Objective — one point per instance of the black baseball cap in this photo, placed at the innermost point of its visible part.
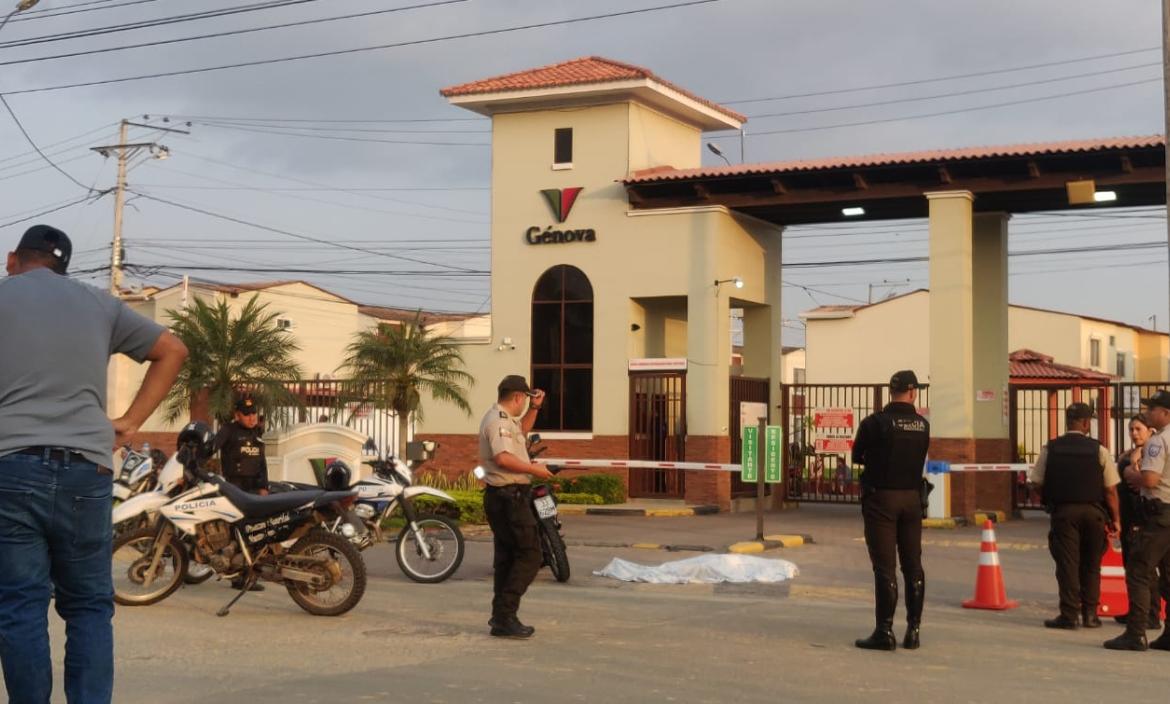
(44, 238)
(904, 380)
(246, 404)
(1161, 399)
(1079, 411)
(515, 383)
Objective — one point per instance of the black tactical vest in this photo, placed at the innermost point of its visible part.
(1072, 472)
(898, 461)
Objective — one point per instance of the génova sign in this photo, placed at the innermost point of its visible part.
(560, 201)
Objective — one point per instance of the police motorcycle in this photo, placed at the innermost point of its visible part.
(548, 522)
(140, 511)
(138, 473)
(429, 547)
(279, 538)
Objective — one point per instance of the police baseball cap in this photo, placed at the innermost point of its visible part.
(246, 404)
(1161, 399)
(904, 380)
(50, 240)
(515, 383)
(1079, 411)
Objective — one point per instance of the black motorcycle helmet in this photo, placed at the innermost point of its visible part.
(196, 442)
(337, 476)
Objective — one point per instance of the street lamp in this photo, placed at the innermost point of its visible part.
(20, 7)
(737, 282)
(717, 152)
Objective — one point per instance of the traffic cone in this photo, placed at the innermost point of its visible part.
(1114, 597)
(989, 590)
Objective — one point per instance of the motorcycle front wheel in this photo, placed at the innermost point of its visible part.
(555, 554)
(444, 542)
(133, 554)
(342, 594)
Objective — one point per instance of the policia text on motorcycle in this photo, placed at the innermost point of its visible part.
(1152, 541)
(1079, 482)
(892, 445)
(504, 457)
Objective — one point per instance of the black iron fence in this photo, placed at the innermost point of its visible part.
(658, 422)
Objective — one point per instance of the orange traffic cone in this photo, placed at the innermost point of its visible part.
(1114, 598)
(989, 589)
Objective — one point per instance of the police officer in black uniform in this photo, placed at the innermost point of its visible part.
(241, 456)
(1078, 479)
(892, 445)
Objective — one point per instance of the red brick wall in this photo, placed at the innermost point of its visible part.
(971, 491)
(708, 487)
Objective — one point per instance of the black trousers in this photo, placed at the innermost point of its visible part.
(517, 545)
(893, 533)
(1131, 523)
(1151, 550)
(1077, 541)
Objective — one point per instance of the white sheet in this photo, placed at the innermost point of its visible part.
(704, 569)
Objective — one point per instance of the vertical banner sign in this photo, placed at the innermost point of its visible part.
(772, 439)
(751, 438)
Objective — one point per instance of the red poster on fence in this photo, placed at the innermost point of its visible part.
(833, 418)
(833, 446)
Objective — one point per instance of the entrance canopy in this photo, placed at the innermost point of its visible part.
(1012, 179)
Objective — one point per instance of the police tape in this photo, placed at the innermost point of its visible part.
(641, 464)
(942, 467)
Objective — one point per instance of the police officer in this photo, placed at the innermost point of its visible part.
(1078, 480)
(503, 454)
(1152, 542)
(241, 457)
(892, 445)
(241, 448)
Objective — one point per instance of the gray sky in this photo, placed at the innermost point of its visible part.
(730, 50)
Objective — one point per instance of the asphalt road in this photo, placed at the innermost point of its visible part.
(604, 641)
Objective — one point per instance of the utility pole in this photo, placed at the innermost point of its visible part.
(126, 151)
(1166, 108)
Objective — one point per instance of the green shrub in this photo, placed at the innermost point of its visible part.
(468, 507)
(611, 489)
(592, 499)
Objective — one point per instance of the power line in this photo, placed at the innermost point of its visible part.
(340, 138)
(227, 33)
(364, 49)
(331, 128)
(28, 138)
(324, 120)
(1131, 246)
(70, 9)
(952, 77)
(301, 270)
(70, 204)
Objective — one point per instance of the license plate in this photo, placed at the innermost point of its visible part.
(546, 507)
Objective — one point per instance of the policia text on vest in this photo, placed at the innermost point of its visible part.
(892, 444)
(1078, 480)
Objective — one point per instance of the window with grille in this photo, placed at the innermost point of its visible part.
(563, 146)
(562, 349)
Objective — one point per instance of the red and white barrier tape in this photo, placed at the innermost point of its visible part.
(641, 464)
(990, 467)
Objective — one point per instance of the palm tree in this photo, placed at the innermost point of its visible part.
(226, 353)
(391, 366)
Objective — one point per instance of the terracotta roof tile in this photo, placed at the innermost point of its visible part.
(1027, 364)
(582, 71)
(903, 158)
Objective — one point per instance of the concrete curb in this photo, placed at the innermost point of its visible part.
(981, 517)
(943, 523)
(482, 538)
(770, 542)
(583, 510)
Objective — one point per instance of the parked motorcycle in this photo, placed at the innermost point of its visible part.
(279, 538)
(548, 522)
(138, 473)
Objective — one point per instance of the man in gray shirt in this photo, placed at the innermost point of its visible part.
(55, 455)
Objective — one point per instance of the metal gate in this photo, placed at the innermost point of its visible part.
(749, 390)
(658, 431)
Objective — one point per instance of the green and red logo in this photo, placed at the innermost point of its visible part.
(561, 201)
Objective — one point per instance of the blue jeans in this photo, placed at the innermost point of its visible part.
(55, 542)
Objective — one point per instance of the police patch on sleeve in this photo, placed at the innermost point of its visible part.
(1154, 450)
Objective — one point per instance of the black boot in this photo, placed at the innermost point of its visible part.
(886, 601)
(1089, 618)
(510, 627)
(1130, 640)
(1162, 642)
(915, 599)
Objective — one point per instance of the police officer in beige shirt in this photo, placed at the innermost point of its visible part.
(507, 501)
(1152, 542)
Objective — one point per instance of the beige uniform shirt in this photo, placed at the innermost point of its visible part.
(1154, 460)
(1108, 466)
(500, 432)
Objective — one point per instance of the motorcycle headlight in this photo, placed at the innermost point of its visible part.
(364, 511)
(347, 530)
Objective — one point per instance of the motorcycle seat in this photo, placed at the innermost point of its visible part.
(256, 506)
(331, 496)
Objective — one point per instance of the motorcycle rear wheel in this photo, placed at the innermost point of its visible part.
(341, 596)
(131, 558)
(555, 554)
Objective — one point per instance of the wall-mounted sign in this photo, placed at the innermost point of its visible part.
(666, 364)
(833, 418)
(560, 201)
(833, 446)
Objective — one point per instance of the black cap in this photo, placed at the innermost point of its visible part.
(246, 404)
(514, 383)
(1161, 399)
(904, 380)
(43, 238)
(1078, 411)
